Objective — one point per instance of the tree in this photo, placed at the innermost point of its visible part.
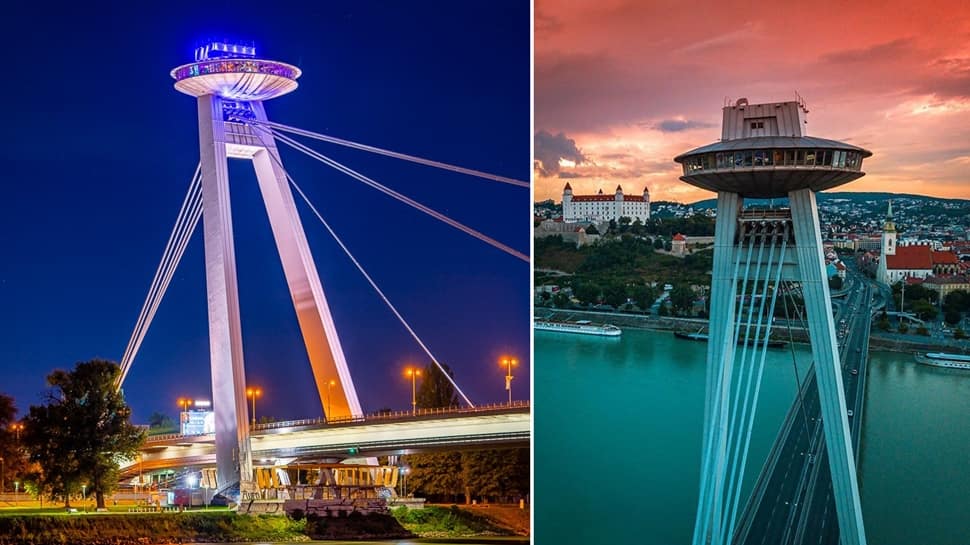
(958, 333)
(658, 243)
(81, 432)
(436, 391)
(903, 328)
(11, 452)
(592, 230)
(921, 330)
(951, 317)
(682, 298)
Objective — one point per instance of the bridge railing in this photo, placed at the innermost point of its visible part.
(393, 415)
(381, 416)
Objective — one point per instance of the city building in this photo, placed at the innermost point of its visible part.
(917, 261)
(601, 207)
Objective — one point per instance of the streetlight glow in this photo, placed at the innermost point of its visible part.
(508, 363)
(330, 384)
(253, 393)
(413, 373)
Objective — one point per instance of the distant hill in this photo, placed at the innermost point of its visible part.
(841, 195)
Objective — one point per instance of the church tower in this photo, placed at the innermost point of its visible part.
(888, 246)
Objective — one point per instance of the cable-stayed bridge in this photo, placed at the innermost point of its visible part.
(230, 84)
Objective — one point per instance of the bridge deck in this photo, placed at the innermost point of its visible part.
(792, 501)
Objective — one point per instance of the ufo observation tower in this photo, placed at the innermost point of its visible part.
(230, 84)
(764, 153)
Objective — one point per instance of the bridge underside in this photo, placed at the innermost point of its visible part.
(329, 443)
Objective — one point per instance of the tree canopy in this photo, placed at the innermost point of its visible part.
(82, 431)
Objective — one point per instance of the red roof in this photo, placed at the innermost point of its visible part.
(679, 236)
(592, 198)
(567, 187)
(606, 198)
(945, 258)
(910, 257)
(914, 280)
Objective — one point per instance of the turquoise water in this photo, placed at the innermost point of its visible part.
(618, 426)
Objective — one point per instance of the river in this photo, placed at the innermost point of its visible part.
(618, 426)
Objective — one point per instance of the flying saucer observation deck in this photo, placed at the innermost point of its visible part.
(236, 78)
(772, 166)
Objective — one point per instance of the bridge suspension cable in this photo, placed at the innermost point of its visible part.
(728, 436)
(392, 193)
(370, 280)
(185, 224)
(396, 155)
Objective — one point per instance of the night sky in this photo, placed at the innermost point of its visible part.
(98, 150)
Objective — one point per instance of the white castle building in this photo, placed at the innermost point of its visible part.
(602, 207)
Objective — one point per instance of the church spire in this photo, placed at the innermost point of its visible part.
(889, 226)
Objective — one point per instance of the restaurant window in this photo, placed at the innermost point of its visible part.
(799, 157)
(748, 158)
(789, 157)
(779, 156)
(810, 158)
(723, 161)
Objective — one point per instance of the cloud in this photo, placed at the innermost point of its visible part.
(886, 51)
(550, 149)
(677, 125)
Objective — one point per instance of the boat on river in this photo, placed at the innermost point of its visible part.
(942, 359)
(584, 327)
(751, 342)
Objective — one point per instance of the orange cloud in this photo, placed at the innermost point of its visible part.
(633, 84)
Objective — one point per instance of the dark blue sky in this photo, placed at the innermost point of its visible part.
(98, 149)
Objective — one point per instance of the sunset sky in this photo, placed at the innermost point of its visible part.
(622, 86)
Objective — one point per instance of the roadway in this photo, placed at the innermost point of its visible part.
(792, 500)
(498, 426)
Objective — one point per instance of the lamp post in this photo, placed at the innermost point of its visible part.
(413, 374)
(253, 393)
(17, 427)
(404, 482)
(330, 384)
(184, 405)
(508, 363)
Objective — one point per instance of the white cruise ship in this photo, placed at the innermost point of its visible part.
(584, 327)
(940, 359)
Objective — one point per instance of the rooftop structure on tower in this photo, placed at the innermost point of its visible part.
(234, 72)
(765, 153)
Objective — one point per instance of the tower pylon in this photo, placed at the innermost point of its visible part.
(763, 153)
(230, 84)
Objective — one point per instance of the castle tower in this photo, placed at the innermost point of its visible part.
(888, 246)
(618, 199)
(567, 202)
(764, 154)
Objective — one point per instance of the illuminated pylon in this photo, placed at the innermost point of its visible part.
(230, 85)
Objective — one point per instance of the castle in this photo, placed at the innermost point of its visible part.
(602, 207)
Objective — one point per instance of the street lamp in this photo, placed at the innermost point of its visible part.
(330, 385)
(404, 482)
(253, 393)
(508, 363)
(184, 405)
(413, 374)
(17, 428)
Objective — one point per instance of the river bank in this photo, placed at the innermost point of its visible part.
(907, 344)
(434, 522)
